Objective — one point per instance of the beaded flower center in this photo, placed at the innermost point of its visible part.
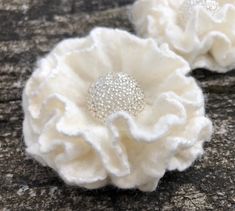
(188, 6)
(115, 92)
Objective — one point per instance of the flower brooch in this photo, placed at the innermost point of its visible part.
(112, 108)
(201, 31)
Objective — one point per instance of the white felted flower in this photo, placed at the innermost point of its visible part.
(202, 31)
(112, 108)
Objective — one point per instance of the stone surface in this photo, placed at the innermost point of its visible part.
(28, 30)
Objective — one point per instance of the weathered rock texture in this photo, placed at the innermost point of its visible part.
(28, 30)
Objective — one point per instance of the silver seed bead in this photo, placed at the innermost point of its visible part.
(115, 92)
(187, 8)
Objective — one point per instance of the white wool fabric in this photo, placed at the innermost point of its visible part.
(205, 40)
(125, 151)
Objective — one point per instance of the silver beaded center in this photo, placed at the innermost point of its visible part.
(115, 92)
(188, 7)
